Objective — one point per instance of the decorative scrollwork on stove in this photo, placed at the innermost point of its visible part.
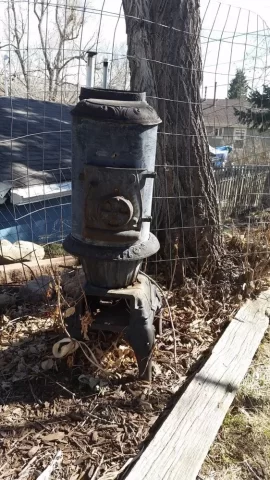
(140, 113)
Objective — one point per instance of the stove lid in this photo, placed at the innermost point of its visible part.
(116, 106)
(112, 94)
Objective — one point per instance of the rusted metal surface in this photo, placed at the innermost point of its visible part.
(115, 212)
(102, 94)
(113, 204)
(116, 106)
(138, 113)
(136, 251)
(114, 144)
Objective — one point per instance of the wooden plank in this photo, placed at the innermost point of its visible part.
(18, 272)
(180, 446)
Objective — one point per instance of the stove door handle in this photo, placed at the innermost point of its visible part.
(148, 174)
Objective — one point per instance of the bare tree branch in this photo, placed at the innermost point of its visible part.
(18, 36)
(59, 26)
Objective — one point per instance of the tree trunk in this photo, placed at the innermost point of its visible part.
(166, 63)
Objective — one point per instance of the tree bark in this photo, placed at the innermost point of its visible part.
(165, 61)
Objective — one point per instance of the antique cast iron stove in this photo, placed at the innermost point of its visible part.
(113, 163)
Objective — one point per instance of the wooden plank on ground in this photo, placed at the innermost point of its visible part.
(20, 272)
(180, 446)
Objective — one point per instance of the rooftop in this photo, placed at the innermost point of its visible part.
(220, 113)
(35, 140)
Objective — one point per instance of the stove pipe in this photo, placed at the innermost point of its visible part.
(113, 170)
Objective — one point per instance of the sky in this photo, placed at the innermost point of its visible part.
(242, 41)
(261, 7)
(234, 35)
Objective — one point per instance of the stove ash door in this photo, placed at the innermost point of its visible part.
(113, 211)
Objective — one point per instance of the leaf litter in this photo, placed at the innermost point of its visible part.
(97, 418)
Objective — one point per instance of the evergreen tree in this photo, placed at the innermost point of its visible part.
(238, 85)
(258, 115)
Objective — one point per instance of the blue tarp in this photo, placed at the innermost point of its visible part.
(220, 155)
(40, 222)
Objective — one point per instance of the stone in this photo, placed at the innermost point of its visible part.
(30, 251)
(20, 251)
(41, 288)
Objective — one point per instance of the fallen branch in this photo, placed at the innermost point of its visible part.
(55, 463)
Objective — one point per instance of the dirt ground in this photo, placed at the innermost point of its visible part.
(46, 410)
(242, 448)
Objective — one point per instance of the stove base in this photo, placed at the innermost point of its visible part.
(129, 310)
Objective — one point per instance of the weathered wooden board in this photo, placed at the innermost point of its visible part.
(18, 272)
(180, 446)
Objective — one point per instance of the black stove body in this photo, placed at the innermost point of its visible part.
(113, 170)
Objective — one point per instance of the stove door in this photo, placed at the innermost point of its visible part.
(112, 204)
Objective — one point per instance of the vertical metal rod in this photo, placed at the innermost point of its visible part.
(105, 72)
(90, 69)
(6, 59)
(215, 95)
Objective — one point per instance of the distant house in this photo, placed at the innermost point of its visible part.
(224, 128)
(35, 170)
(222, 124)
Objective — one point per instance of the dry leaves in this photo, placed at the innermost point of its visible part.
(47, 364)
(86, 322)
(53, 437)
(45, 403)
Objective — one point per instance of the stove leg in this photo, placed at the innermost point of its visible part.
(142, 339)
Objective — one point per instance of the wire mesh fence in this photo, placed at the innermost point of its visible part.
(44, 47)
(207, 76)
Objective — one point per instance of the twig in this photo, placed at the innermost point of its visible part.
(94, 361)
(66, 389)
(129, 463)
(82, 475)
(83, 292)
(170, 313)
(72, 439)
(14, 320)
(114, 475)
(55, 463)
(173, 370)
(95, 474)
(33, 394)
(26, 468)
(13, 448)
(70, 267)
(160, 323)
(176, 248)
(251, 470)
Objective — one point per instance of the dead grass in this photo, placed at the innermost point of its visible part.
(53, 250)
(242, 448)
